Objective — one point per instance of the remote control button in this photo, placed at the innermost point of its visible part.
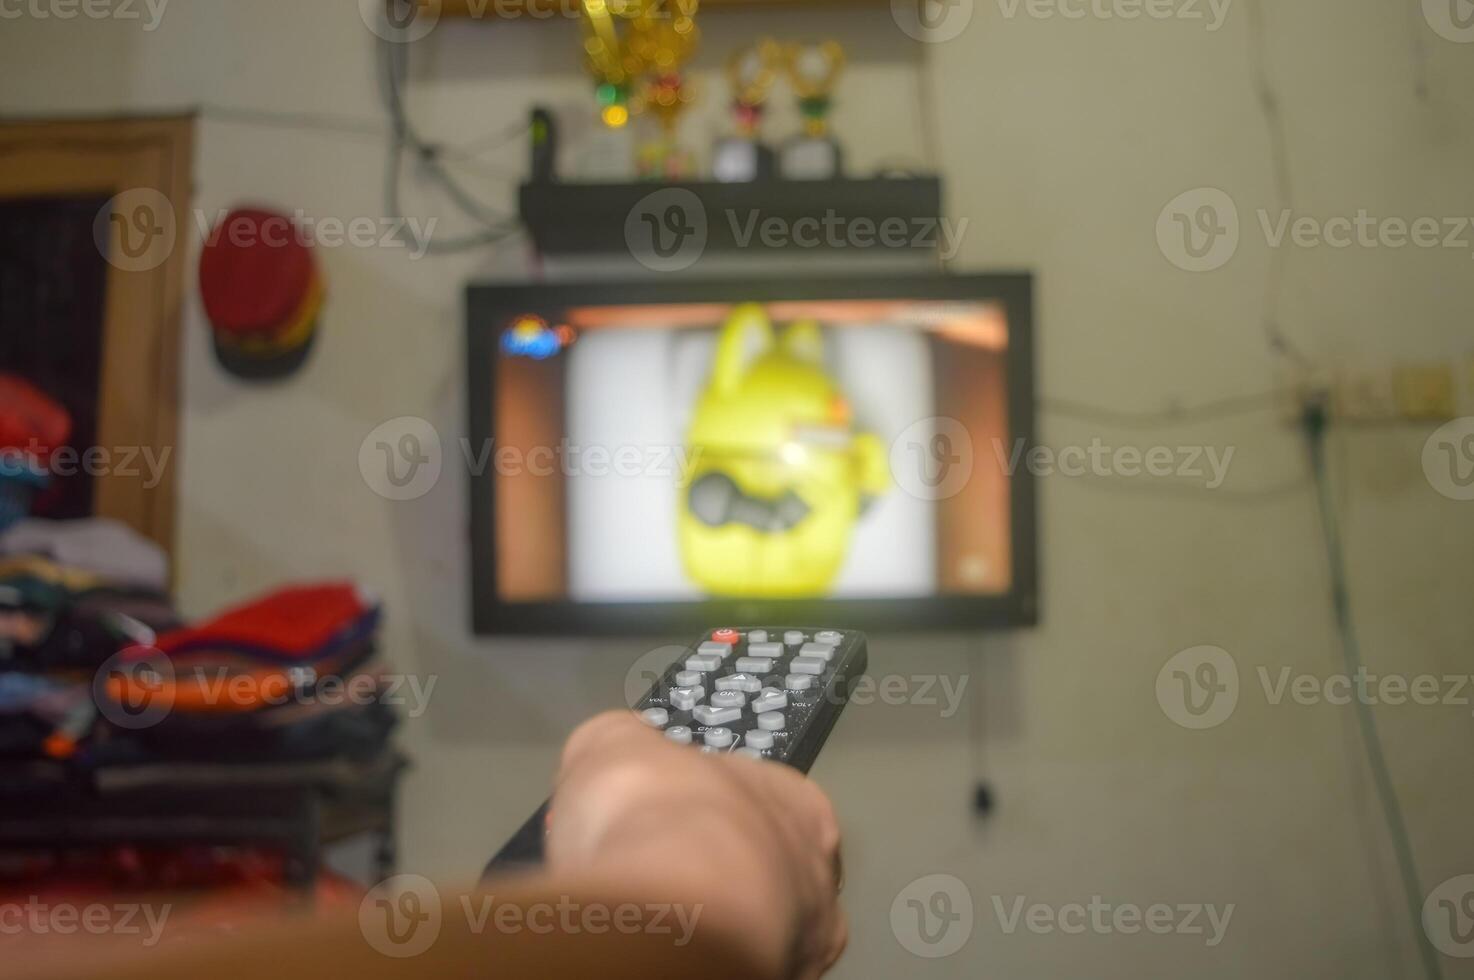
(808, 665)
(712, 750)
(703, 662)
(686, 698)
(679, 733)
(765, 649)
(655, 717)
(793, 637)
(726, 635)
(754, 665)
(713, 649)
(750, 753)
(746, 683)
(719, 738)
(759, 739)
(728, 699)
(821, 650)
(798, 682)
(705, 714)
(757, 636)
(832, 637)
(770, 721)
(688, 678)
(768, 701)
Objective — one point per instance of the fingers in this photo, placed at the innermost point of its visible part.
(613, 803)
(606, 733)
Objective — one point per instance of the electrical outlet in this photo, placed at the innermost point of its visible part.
(1425, 391)
(1295, 387)
(1421, 392)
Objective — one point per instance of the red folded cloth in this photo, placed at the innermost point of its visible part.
(30, 421)
(296, 621)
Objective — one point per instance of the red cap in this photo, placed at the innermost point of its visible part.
(255, 272)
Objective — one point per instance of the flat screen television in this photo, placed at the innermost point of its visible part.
(649, 456)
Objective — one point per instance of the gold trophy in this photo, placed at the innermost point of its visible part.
(812, 71)
(744, 157)
(610, 151)
(663, 37)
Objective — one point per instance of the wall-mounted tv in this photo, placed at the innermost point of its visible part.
(667, 455)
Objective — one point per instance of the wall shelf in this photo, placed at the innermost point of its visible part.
(590, 218)
(551, 9)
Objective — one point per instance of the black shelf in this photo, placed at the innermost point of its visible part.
(589, 218)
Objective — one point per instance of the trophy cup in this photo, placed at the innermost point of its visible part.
(666, 97)
(662, 37)
(610, 150)
(812, 70)
(743, 157)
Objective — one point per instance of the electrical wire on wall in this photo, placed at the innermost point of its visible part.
(403, 137)
(1172, 415)
(1422, 90)
(1284, 188)
(1209, 411)
(470, 153)
(1315, 424)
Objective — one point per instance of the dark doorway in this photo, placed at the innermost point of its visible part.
(53, 281)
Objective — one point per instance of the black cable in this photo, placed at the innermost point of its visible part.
(1175, 415)
(404, 135)
(400, 134)
(394, 64)
(1198, 491)
(1315, 422)
(316, 122)
(392, 170)
(1284, 186)
(337, 124)
(1416, 25)
(481, 145)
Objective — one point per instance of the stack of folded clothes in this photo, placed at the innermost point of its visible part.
(72, 594)
(292, 676)
(116, 713)
(86, 623)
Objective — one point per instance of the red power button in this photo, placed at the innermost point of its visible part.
(724, 635)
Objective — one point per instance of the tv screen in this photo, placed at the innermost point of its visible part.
(654, 455)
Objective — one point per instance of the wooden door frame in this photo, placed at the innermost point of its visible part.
(137, 162)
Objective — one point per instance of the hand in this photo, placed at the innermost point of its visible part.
(754, 843)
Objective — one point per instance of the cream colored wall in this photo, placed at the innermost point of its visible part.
(1061, 140)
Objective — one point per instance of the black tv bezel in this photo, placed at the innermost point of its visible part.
(488, 305)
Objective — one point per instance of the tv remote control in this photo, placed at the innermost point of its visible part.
(770, 693)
